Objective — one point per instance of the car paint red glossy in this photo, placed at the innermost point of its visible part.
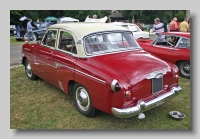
(173, 54)
(132, 69)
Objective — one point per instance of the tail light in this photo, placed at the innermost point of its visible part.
(115, 86)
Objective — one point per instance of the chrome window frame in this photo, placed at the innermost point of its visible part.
(53, 48)
(180, 40)
(66, 52)
(156, 40)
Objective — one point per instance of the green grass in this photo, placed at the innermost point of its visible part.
(40, 105)
(13, 41)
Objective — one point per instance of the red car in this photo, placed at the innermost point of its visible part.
(173, 47)
(91, 62)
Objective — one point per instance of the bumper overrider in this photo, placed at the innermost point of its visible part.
(142, 106)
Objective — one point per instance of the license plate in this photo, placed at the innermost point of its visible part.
(157, 85)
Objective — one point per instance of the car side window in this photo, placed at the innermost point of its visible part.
(67, 42)
(50, 38)
(133, 28)
(167, 40)
(184, 43)
(126, 26)
(161, 40)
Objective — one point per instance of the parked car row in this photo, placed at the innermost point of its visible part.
(104, 68)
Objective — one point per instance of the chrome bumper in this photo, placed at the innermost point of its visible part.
(18, 37)
(142, 106)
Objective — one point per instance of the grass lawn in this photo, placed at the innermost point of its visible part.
(13, 41)
(40, 105)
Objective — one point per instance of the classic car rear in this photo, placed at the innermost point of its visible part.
(102, 67)
(173, 47)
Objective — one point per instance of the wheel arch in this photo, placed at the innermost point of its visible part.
(23, 60)
(177, 62)
(71, 84)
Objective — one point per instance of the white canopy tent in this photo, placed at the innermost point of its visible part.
(23, 18)
(100, 20)
(67, 19)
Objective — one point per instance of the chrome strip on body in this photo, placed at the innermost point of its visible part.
(90, 76)
(58, 64)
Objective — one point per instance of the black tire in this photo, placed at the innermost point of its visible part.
(34, 37)
(19, 39)
(184, 68)
(82, 100)
(28, 71)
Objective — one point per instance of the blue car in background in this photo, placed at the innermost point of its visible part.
(38, 30)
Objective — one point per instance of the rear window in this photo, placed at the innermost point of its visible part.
(110, 42)
(184, 43)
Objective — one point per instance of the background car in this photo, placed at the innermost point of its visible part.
(12, 30)
(147, 26)
(38, 30)
(102, 67)
(137, 32)
(173, 47)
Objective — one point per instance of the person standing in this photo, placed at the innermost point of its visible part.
(95, 16)
(29, 30)
(158, 27)
(173, 26)
(184, 26)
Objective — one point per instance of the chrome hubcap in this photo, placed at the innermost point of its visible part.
(82, 98)
(185, 68)
(33, 38)
(28, 69)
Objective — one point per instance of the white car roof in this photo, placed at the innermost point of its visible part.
(80, 29)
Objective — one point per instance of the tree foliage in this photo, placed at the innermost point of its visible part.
(146, 16)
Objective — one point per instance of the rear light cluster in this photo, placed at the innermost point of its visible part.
(115, 86)
(128, 94)
(176, 76)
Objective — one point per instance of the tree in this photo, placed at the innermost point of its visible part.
(130, 14)
(180, 15)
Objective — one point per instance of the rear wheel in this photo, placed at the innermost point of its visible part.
(82, 100)
(29, 71)
(184, 68)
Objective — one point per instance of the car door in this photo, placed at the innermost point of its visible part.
(44, 55)
(162, 47)
(181, 51)
(65, 57)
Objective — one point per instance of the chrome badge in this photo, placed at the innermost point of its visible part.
(158, 76)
